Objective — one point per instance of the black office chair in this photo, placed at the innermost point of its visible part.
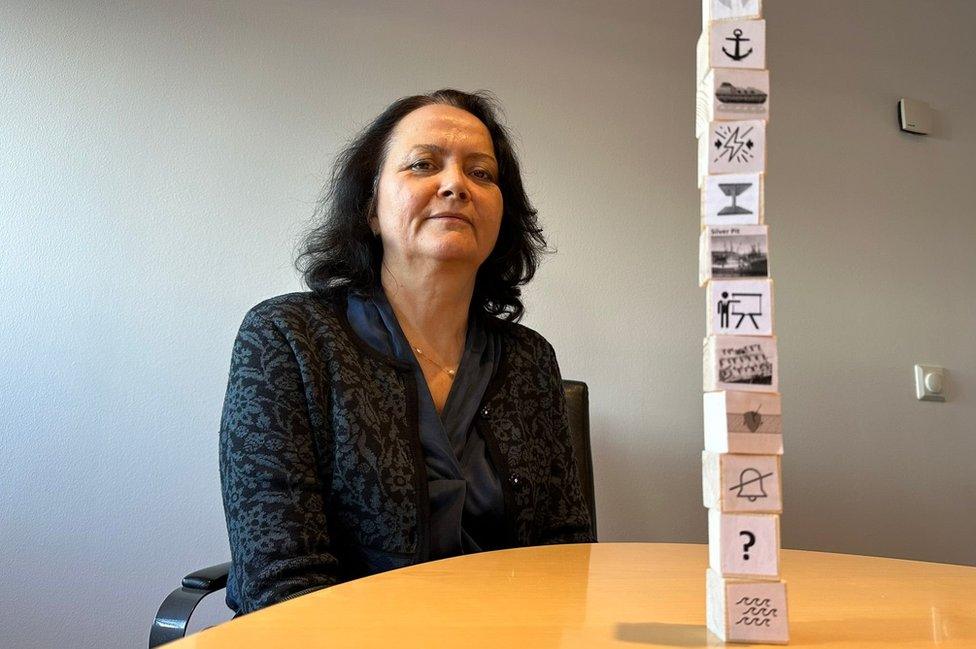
(174, 613)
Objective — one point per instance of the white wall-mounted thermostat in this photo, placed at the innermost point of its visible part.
(915, 116)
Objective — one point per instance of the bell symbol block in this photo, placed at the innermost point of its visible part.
(741, 483)
(751, 485)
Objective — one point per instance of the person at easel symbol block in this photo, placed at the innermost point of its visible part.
(724, 309)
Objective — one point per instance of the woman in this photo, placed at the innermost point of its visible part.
(397, 413)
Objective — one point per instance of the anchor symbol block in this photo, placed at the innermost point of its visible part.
(738, 39)
(731, 44)
(742, 483)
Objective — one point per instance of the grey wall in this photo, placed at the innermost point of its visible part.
(159, 161)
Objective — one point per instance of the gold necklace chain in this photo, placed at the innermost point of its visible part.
(449, 372)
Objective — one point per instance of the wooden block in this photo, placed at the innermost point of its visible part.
(732, 199)
(743, 545)
(737, 610)
(746, 363)
(731, 44)
(743, 423)
(740, 307)
(731, 95)
(733, 252)
(713, 10)
(732, 148)
(742, 483)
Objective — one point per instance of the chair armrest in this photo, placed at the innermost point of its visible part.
(209, 579)
(175, 611)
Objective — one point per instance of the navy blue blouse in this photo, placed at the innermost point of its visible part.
(466, 506)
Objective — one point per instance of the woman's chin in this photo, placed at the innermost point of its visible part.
(453, 256)
(454, 249)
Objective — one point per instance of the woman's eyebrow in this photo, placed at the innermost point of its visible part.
(434, 148)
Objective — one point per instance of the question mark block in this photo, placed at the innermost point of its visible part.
(743, 545)
(743, 422)
(742, 483)
(746, 611)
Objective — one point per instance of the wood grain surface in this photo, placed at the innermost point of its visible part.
(610, 595)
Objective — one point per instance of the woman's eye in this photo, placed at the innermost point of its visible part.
(483, 174)
(422, 165)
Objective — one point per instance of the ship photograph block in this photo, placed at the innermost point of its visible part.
(742, 484)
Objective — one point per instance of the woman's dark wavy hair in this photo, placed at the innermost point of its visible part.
(340, 253)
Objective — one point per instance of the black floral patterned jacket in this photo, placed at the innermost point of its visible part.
(322, 472)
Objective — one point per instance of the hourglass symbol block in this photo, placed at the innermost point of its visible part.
(733, 190)
(732, 199)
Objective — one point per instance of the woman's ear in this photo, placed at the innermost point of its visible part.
(372, 219)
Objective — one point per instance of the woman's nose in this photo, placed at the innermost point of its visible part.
(454, 185)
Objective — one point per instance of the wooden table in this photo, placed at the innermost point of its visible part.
(610, 595)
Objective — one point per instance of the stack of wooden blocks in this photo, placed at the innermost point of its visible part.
(746, 599)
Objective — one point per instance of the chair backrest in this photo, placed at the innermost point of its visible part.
(578, 410)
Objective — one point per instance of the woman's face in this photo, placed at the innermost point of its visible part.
(437, 198)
